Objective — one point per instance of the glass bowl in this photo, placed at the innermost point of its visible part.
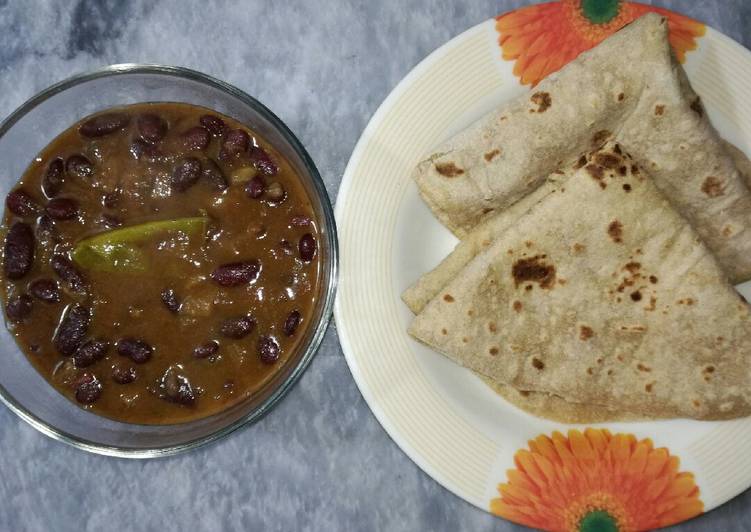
(29, 129)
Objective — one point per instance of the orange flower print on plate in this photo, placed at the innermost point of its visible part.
(542, 38)
(596, 482)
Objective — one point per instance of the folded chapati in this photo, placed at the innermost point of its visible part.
(629, 88)
(601, 295)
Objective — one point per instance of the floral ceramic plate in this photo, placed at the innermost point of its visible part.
(529, 470)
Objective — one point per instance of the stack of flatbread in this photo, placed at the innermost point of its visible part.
(602, 221)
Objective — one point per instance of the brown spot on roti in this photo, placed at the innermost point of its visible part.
(642, 367)
(713, 187)
(448, 169)
(659, 110)
(585, 333)
(626, 187)
(470, 312)
(653, 279)
(696, 403)
(608, 160)
(523, 393)
(444, 332)
(518, 306)
(615, 231)
(648, 387)
(599, 138)
(727, 231)
(538, 364)
(533, 269)
(636, 296)
(489, 156)
(590, 371)
(493, 351)
(578, 248)
(448, 298)
(621, 97)
(632, 267)
(492, 327)
(542, 100)
(581, 162)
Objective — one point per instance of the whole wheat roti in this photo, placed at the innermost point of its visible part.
(601, 295)
(629, 88)
(429, 284)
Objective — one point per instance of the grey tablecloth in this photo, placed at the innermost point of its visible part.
(320, 461)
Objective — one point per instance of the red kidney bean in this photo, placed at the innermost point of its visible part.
(68, 272)
(72, 329)
(45, 290)
(62, 208)
(79, 166)
(19, 307)
(275, 193)
(141, 149)
(237, 328)
(170, 300)
(206, 350)
(136, 349)
(196, 138)
(235, 143)
(186, 173)
(104, 124)
(88, 389)
(255, 187)
(236, 273)
(90, 352)
(21, 204)
(292, 322)
(300, 221)
(307, 247)
(19, 250)
(268, 349)
(176, 388)
(213, 124)
(52, 181)
(123, 374)
(263, 161)
(151, 128)
(214, 175)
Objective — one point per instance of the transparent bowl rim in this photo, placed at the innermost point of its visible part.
(330, 269)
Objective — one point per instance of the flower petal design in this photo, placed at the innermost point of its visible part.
(594, 480)
(542, 38)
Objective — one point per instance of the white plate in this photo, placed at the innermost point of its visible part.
(446, 420)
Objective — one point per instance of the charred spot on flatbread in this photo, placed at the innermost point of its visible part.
(489, 156)
(448, 169)
(534, 270)
(542, 100)
(598, 174)
(615, 231)
(585, 333)
(599, 138)
(713, 187)
(608, 160)
(659, 110)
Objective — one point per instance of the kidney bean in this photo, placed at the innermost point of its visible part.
(104, 124)
(72, 329)
(275, 193)
(136, 349)
(68, 272)
(214, 175)
(90, 352)
(237, 328)
(151, 128)
(21, 204)
(236, 273)
(88, 389)
(268, 349)
(176, 388)
(300, 220)
(170, 300)
(307, 247)
(255, 187)
(123, 374)
(52, 181)
(19, 307)
(206, 350)
(141, 149)
(79, 166)
(196, 138)
(236, 142)
(19, 250)
(263, 162)
(292, 322)
(186, 173)
(213, 124)
(62, 208)
(45, 290)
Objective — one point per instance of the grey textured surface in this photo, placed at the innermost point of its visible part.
(320, 461)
